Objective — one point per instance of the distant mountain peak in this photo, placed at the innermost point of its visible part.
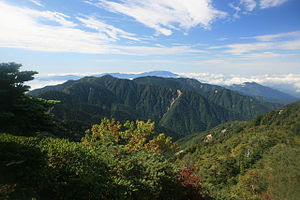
(160, 73)
(260, 91)
(251, 83)
(60, 78)
(108, 76)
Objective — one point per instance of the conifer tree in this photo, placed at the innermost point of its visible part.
(20, 113)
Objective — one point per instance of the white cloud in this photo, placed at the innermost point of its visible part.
(28, 29)
(248, 4)
(37, 2)
(285, 80)
(35, 84)
(242, 48)
(272, 37)
(237, 9)
(21, 28)
(155, 50)
(264, 55)
(271, 3)
(265, 43)
(222, 39)
(165, 15)
(110, 31)
(60, 18)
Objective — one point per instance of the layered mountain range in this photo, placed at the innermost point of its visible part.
(160, 73)
(179, 106)
(260, 91)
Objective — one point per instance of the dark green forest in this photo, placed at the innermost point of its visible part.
(106, 138)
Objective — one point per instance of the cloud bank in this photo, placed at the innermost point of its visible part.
(288, 83)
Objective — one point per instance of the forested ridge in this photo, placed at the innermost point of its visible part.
(40, 158)
(201, 106)
(255, 159)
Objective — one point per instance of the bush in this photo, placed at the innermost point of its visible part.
(47, 168)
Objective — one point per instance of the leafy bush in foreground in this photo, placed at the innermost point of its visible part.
(97, 168)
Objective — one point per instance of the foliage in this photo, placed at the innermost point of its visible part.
(257, 159)
(19, 113)
(191, 183)
(276, 176)
(134, 136)
(107, 164)
(51, 169)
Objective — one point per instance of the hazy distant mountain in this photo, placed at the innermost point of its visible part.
(287, 88)
(260, 91)
(179, 106)
(45, 81)
(166, 74)
(58, 78)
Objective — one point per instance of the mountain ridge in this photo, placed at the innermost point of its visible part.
(261, 91)
(199, 107)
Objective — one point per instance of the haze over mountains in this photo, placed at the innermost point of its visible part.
(260, 91)
(117, 75)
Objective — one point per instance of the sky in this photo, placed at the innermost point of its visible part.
(207, 38)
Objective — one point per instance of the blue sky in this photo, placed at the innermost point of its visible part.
(242, 37)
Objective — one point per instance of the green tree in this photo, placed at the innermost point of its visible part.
(134, 136)
(21, 114)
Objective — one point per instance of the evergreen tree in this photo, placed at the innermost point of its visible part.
(21, 114)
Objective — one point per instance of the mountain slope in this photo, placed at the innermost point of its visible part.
(178, 106)
(249, 160)
(257, 90)
(218, 95)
